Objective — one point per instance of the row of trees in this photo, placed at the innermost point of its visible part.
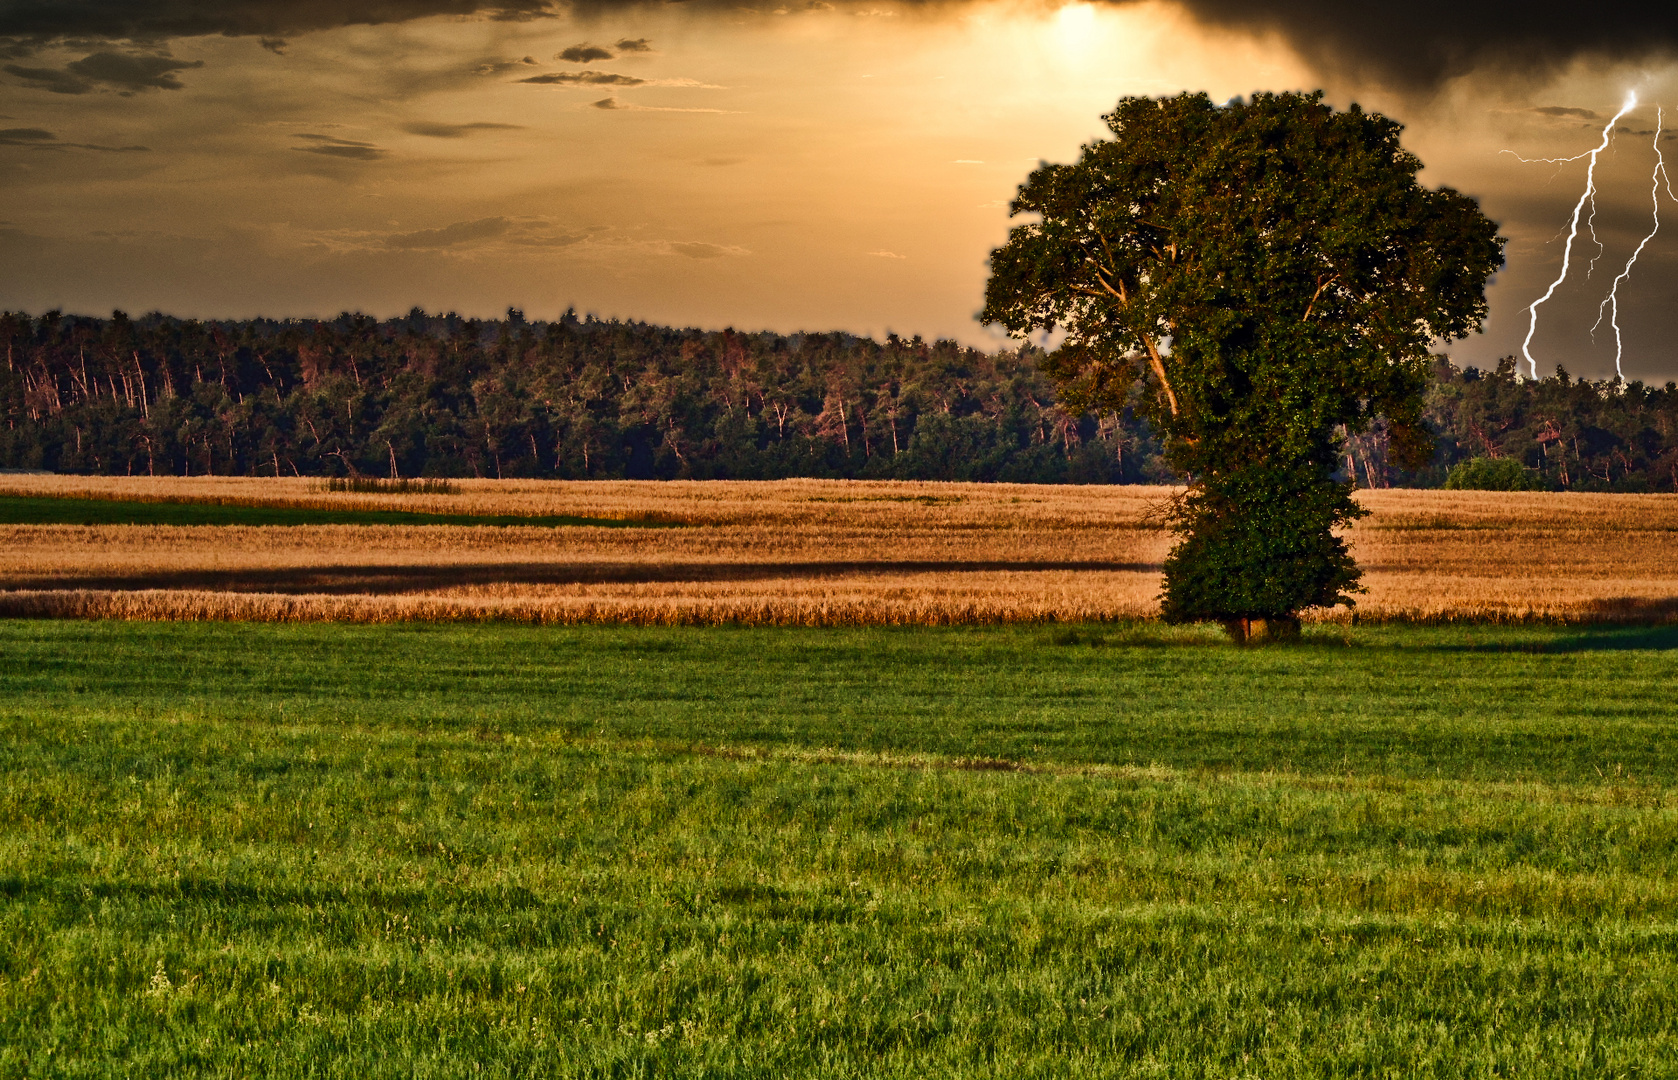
(445, 396)
(1567, 434)
(575, 398)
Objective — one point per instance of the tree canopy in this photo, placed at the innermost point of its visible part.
(1274, 274)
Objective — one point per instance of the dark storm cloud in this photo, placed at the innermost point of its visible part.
(582, 54)
(1419, 43)
(454, 131)
(1414, 43)
(583, 78)
(275, 45)
(607, 103)
(1563, 110)
(639, 44)
(349, 149)
(461, 232)
(157, 19)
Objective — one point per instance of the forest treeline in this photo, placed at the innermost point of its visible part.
(575, 398)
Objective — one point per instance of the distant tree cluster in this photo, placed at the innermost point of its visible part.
(581, 398)
(1561, 433)
(443, 396)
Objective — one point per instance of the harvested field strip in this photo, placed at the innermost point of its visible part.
(682, 609)
(388, 578)
(26, 510)
(815, 553)
(690, 605)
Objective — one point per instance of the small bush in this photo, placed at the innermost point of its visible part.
(1492, 474)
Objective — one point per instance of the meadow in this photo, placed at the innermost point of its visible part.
(776, 553)
(822, 779)
(595, 851)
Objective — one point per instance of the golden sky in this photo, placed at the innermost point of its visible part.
(804, 168)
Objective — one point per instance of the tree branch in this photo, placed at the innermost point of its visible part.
(1319, 292)
(1158, 365)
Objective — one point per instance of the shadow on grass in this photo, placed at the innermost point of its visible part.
(1615, 639)
(1481, 639)
(1555, 640)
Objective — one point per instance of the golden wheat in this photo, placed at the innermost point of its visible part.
(804, 552)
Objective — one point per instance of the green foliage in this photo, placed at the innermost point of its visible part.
(339, 851)
(1572, 434)
(437, 396)
(1271, 271)
(1259, 543)
(1491, 474)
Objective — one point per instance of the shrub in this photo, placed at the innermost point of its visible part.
(1491, 474)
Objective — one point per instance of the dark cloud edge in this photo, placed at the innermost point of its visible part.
(1416, 45)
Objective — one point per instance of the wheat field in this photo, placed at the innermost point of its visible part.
(802, 552)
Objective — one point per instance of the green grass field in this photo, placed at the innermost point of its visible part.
(31, 510)
(322, 850)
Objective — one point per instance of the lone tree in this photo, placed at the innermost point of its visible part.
(1267, 276)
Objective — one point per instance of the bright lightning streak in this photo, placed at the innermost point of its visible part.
(1589, 195)
(1612, 303)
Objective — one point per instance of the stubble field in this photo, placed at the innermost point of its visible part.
(798, 553)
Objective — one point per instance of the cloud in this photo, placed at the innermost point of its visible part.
(547, 240)
(614, 105)
(1561, 110)
(584, 78)
(582, 54)
(49, 79)
(331, 146)
(635, 45)
(25, 136)
(435, 130)
(702, 251)
(461, 232)
(162, 19)
(1404, 43)
(132, 73)
(42, 139)
(887, 255)
(496, 67)
(274, 45)
(129, 73)
(1418, 44)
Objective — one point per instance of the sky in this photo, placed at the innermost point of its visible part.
(815, 166)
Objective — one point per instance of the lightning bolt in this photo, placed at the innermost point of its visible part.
(1611, 304)
(1588, 196)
